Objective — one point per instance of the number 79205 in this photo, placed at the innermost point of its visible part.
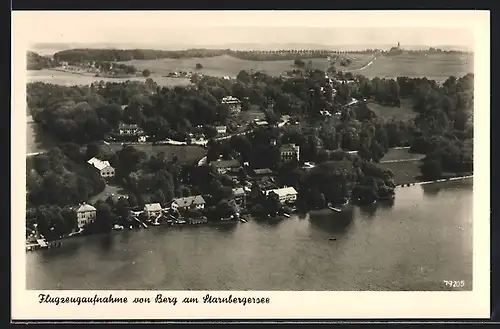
(454, 284)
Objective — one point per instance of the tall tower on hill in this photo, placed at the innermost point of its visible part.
(398, 45)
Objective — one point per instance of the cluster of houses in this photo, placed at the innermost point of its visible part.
(86, 213)
(90, 67)
(233, 103)
(261, 182)
(130, 132)
(183, 74)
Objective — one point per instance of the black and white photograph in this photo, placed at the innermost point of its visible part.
(200, 151)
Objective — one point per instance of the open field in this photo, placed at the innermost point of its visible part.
(436, 66)
(404, 172)
(230, 66)
(108, 191)
(71, 79)
(405, 112)
(401, 154)
(185, 153)
(253, 113)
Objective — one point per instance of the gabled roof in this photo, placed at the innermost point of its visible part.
(220, 127)
(230, 99)
(128, 126)
(190, 200)
(239, 191)
(282, 191)
(99, 164)
(152, 207)
(225, 163)
(264, 171)
(85, 207)
(289, 148)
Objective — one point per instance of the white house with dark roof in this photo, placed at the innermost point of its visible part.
(85, 214)
(105, 169)
(153, 210)
(221, 129)
(285, 194)
(190, 202)
(233, 103)
(129, 129)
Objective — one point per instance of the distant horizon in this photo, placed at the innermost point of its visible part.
(245, 30)
(49, 48)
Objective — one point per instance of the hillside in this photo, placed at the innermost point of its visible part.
(37, 62)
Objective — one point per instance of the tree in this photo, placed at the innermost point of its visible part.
(431, 169)
(299, 63)
(122, 207)
(272, 204)
(159, 197)
(93, 150)
(243, 76)
(70, 219)
(146, 73)
(210, 132)
(132, 200)
(72, 151)
(104, 218)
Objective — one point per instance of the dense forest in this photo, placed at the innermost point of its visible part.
(83, 116)
(61, 177)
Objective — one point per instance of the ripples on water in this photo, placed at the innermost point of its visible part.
(424, 237)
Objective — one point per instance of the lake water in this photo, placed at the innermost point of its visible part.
(425, 237)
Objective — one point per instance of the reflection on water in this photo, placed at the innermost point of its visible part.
(370, 210)
(410, 244)
(106, 242)
(330, 221)
(431, 189)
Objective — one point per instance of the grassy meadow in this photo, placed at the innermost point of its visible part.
(230, 66)
(434, 66)
(185, 153)
(404, 172)
(395, 154)
(405, 112)
(72, 79)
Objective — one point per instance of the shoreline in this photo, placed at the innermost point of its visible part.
(59, 241)
(441, 180)
(88, 74)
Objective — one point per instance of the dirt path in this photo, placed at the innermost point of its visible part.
(363, 67)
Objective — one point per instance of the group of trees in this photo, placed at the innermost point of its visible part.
(52, 222)
(445, 130)
(116, 55)
(85, 114)
(38, 62)
(61, 177)
(117, 69)
(81, 113)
